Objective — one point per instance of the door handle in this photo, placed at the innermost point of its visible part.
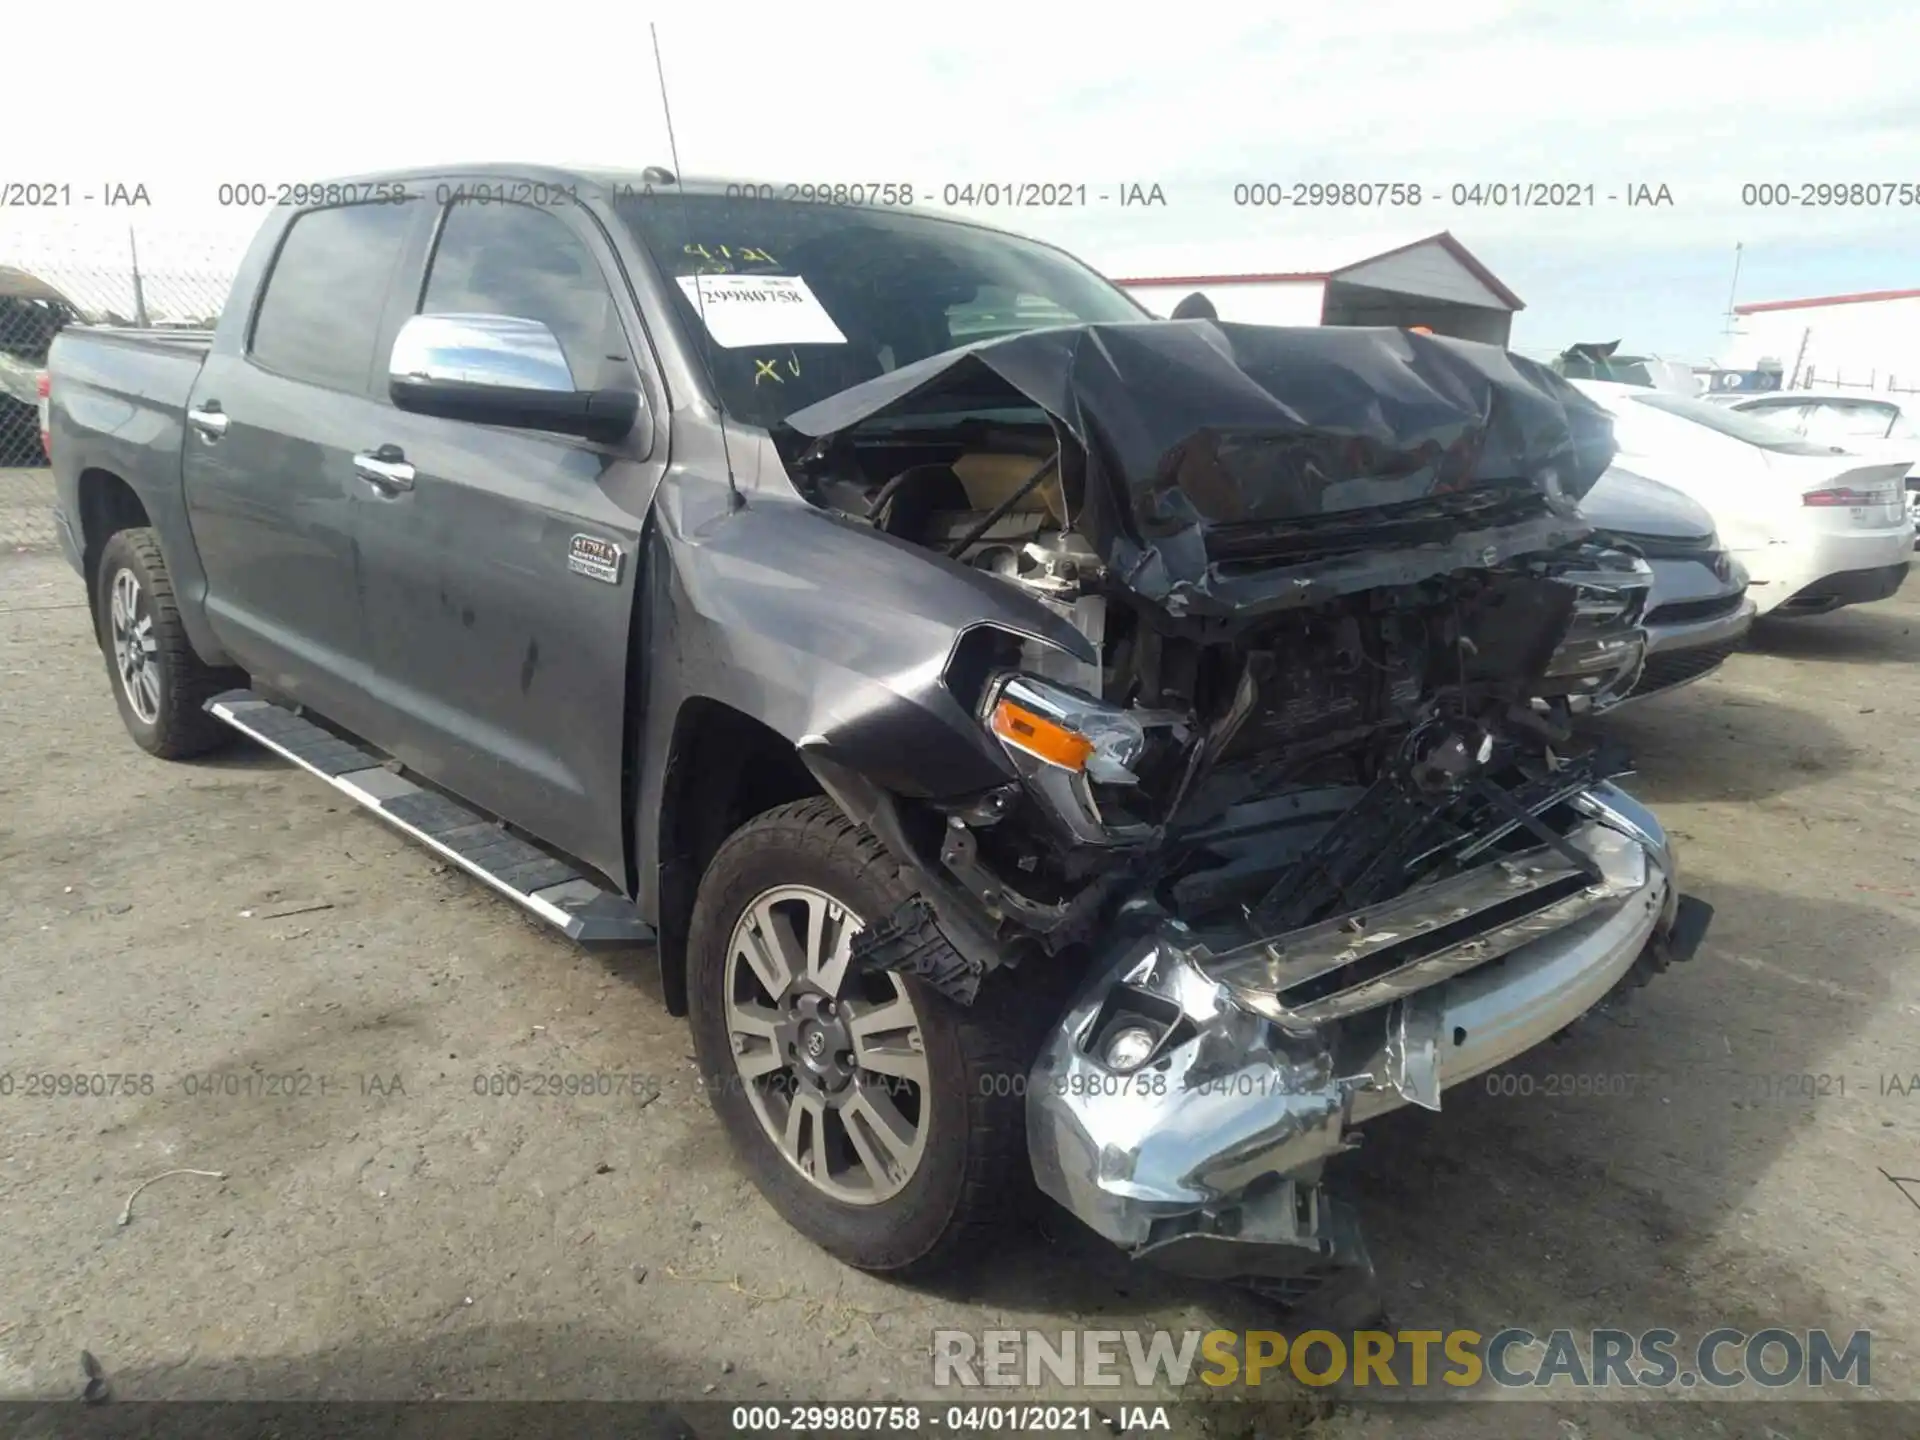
(386, 469)
(209, 420)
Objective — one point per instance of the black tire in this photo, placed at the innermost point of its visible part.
(178, 728)
(973, 1177)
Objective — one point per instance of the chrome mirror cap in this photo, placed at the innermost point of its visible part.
(504, 351)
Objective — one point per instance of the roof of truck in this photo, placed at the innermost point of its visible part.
(537, 170)
(661, 180)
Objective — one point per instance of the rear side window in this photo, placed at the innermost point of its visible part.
(1740, 425)
(320, 316)
(1840, 421)
(1788, 414)
(511, 259)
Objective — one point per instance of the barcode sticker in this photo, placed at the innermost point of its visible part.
(743, 310)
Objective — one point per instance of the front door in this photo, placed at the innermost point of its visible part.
(500, 572)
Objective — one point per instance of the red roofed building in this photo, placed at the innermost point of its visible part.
(1867, 341)
(1431, 280)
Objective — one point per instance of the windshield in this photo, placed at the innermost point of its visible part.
(802, 300)
(1766, 434)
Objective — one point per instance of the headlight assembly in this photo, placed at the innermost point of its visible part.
(1065, 744)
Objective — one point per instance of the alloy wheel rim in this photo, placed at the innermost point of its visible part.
(832, 1061)
(136, 654)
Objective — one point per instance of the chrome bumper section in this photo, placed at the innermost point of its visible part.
(1207, 1157)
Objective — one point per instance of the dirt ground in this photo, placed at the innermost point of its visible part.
(387, 1230)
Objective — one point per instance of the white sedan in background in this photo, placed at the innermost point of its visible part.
(1832, 416)
(1816, 525)
(1863, 423)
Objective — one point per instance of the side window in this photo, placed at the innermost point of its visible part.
(1848, 421)
(320, 315)
(1784, 413)
(511, 259)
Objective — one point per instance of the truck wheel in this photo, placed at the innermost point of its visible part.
(883, 1121)
(158, 682)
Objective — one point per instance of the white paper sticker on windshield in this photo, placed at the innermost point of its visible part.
(742, 310)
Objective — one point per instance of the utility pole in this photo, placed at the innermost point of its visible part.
(139, 294)
(1733, 290)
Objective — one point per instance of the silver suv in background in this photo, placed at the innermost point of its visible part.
(1698, 611)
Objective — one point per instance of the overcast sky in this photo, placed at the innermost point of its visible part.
(1702, 98)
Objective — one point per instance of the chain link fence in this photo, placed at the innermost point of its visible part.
(1867, 381)
(28, 323)
(40, 295)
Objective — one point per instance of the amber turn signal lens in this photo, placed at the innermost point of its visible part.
(1041, 737)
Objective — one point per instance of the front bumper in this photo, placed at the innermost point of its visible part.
(1207, 1158)
(1680, 653)
(1697, 615)
(1664, 637)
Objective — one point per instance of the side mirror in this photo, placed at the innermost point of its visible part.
(500, 370)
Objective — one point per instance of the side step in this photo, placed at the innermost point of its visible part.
(555, 891)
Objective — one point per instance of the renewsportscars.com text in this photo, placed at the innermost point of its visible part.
(1509, 1358)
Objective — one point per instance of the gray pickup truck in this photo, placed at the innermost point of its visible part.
(1042, 742)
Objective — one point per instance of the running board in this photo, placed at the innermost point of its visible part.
(576, 906)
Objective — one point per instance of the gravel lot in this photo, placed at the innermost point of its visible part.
(387, 1232)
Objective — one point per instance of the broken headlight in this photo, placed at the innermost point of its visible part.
(1600, 657)
(1070, 747)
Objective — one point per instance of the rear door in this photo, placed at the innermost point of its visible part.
(268, 464)
(500, 586)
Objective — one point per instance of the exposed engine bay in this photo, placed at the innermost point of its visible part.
(1426, 714)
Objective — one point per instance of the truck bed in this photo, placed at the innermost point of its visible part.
(119, 406)
(165, 337)
(186, 347)
(108, 374)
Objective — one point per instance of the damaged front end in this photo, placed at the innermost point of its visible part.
(1312, 826)
(1185, 1103)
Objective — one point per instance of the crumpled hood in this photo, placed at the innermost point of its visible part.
(1623, 503)
(1197, 436)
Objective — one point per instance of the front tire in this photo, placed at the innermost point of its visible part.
(883, 1121)
(159, 684)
